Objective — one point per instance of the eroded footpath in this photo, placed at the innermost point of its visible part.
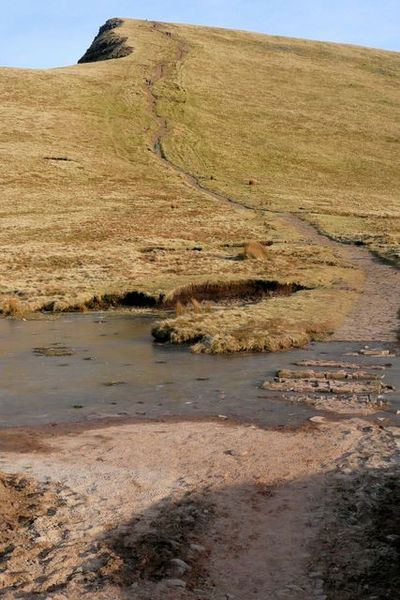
(375, 315)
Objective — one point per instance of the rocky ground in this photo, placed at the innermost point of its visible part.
(343, 386)
(216, 510)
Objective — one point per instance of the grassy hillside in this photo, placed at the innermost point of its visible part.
(90, 205)
(315, 125)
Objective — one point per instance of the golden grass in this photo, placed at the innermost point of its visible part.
(317, 125)
(270, 325)
(89, 212)
(13, 307)
(180, 309)
(71, 228)
(194, 307)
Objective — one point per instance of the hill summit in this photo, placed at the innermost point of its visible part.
(107, 44)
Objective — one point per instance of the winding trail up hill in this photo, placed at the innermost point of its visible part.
(148, 166)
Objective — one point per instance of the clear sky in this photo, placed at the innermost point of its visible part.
(45, 33)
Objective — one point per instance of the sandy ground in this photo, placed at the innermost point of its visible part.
(174, 510)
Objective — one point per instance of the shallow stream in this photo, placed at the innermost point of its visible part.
(112, 368)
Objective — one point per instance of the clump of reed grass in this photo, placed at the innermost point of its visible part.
(13, 307)
(180, 309)
(194, 306)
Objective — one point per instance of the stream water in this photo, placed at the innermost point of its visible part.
(112, 368)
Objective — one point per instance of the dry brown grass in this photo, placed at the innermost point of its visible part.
(316, 124)
(70, 225)
(192, 307)
(180, 309)
(13, 307)
(196, 305)
(270, 325)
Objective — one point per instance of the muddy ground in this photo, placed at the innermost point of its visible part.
(217, 510)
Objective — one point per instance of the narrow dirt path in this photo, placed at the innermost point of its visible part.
(162, 129)
(374, 316)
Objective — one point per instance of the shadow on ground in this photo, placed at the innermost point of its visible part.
(248, 540)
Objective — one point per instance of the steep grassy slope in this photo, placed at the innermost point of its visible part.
(95, 193)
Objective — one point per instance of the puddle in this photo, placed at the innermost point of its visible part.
(114, 369)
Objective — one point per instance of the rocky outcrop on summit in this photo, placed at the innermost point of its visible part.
(107, 44)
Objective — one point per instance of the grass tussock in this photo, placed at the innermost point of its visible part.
(194, 307)
(267, 326)
(197, 306)
(15, 308)
(179, 309)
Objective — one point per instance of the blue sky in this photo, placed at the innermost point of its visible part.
(44, 33)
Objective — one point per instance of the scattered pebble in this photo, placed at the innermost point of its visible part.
(179, 566)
